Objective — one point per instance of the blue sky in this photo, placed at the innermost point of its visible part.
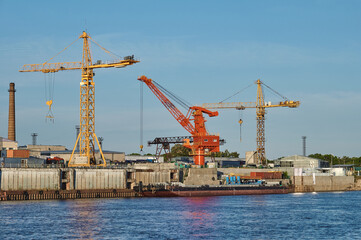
(204, 51)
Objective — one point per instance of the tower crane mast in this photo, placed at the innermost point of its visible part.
(87, 137)
(203, 142)
(260, 106)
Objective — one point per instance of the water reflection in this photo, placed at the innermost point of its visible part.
(84, 218)
(259, 200)
(198, 215)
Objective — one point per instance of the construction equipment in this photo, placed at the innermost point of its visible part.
(163, 143)
(86, 137)
(203, 143)
(260, 106)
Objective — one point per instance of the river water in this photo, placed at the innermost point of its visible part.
(285, 216)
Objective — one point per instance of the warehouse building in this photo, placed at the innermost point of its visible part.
(298, 161)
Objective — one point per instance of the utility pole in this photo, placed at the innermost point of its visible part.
(77, 127)
(331, 161)
(100, 139)
(304, 145)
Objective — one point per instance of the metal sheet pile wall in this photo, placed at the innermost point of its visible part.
(100, 179)
(13, 179)
(152, 177)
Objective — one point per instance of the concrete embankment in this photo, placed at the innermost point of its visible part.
(63, 183)
(323, 183)
(71, 183)
(305, 183)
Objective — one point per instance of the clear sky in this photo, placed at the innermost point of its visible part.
(204, 51)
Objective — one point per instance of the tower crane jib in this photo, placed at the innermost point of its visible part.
(260, 106)
(87, 138)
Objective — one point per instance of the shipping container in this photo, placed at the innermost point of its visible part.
(267, 175)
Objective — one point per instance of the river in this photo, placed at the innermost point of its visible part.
(284, 216)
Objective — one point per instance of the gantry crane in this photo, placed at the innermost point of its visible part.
(260, 106)
(86, 137)
(203, 142)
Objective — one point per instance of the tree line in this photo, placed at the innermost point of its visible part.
(178, 150)
(335, 160)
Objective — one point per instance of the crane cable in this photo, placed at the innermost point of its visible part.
(49, 94)
(186, 105)
(50, 84)
(61, 51)
(141, 116)
(240, 121)
(275, 92)
(113, 55)
(237, 93)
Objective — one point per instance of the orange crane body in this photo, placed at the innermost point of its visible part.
(203, 143)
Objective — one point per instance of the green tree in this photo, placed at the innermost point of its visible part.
(134, 154)
(179, 150)
(334, 160)
(226, 153)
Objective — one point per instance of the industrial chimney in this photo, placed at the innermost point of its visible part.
(11, 127)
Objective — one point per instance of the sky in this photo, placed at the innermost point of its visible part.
(204, 52)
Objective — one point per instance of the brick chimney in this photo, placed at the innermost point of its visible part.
(11, 127)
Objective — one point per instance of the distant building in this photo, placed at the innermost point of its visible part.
(21, 162)
(222, 162)
(7, 144)
(251, 158)
(45, 151)
(140, 158)
(36, 150)
(111, 156)
(298, 161)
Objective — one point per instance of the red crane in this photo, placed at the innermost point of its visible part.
(203, 143)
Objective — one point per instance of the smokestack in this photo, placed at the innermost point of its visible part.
(11, 127)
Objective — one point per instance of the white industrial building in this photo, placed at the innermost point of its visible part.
(298, 161)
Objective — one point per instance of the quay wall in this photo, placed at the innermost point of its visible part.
(13, 179)
(25, 179)
(152, 173)
(16, 179)
(100, 179)
(152, 177)
(323, 183)
(201, 176)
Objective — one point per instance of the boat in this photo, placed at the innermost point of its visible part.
(206, 190)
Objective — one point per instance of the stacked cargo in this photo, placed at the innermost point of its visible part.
(267, 175)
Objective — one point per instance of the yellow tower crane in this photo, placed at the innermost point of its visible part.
(260, 106)
(86, 137)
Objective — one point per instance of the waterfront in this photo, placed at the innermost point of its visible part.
(290, 216)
